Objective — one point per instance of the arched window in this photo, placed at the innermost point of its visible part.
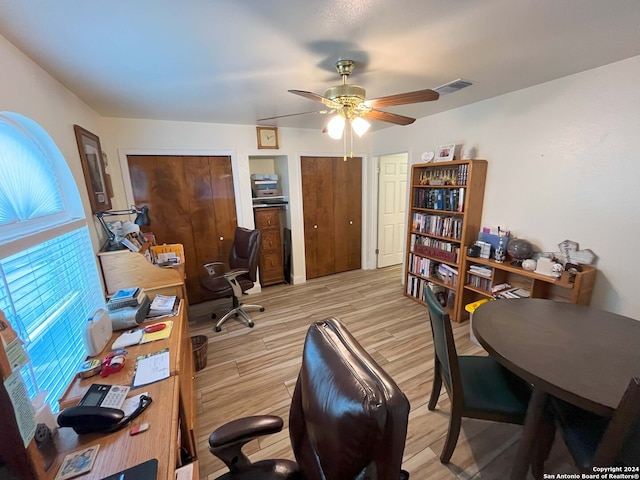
(49, 283)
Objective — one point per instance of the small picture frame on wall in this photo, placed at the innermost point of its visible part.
(93, 167)
(444, 153)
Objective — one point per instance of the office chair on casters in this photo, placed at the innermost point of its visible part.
(478, 387)
(348, 418)
(243, 264)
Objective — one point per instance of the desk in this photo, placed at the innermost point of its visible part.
(175, 343)
(119, 450)
(579, 354)
(180, 365)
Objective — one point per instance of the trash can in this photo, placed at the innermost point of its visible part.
(471, 307)
(199, 344)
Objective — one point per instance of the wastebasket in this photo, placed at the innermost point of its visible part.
(471, 307)
(199, 344)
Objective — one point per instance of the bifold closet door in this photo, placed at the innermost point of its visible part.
(332, 211)
(191, 201)
(317, 207)
(347, 199)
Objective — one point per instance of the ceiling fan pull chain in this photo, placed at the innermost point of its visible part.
(344, 142)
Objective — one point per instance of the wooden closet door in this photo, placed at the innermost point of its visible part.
(191, 201)
(347, 199)
(332, 211)
(317, 205)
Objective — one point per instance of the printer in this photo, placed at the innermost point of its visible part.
(264, 185)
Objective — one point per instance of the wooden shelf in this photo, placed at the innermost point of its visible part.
(469, 185)
(539, 286)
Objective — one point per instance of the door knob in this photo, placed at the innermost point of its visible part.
(221, 238)
(315, 226)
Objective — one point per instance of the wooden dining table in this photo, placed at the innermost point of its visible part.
(579, 354)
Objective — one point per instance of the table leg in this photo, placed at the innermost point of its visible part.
(529, 433)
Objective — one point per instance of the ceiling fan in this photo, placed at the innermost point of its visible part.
(349, 103)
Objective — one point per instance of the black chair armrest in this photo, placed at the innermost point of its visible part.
(234, 273)
(211, 267)
(226, 442)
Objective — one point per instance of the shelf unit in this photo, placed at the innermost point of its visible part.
(271, 254)
(444, 216)
(478, 286)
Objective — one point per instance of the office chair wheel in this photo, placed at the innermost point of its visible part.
(218, 329)
(262, 309)
(250, 324)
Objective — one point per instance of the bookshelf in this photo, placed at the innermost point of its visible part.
(445, 210)
(478, 285)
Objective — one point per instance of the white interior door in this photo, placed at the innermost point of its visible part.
(392, 208)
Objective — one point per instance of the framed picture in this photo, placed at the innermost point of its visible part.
(267, 137)
(93, 167)
(445, 152)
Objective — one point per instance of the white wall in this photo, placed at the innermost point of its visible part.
(28, 90)
(564, 159)
(564, 163)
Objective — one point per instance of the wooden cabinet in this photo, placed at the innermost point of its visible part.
(478, 285)
(271, 256)
(445, 211)
(332, 211)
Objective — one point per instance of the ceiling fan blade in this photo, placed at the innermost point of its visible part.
(292, 115)
(318, 98)
(389, 117)
(403, 99)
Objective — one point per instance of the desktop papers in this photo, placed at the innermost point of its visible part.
(151, 368)
(128, 339)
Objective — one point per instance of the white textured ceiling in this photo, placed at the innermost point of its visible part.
(232, 61)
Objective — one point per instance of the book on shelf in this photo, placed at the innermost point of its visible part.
(127, 297)
(162, 305)
(480, 269)
(129, 242)
(513, 293)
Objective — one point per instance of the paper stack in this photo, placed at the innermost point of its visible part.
(162, 305)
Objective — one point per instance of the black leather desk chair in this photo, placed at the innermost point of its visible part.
(243, 263)
(348, 418)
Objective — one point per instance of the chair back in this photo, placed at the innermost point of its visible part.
(443, 344)
(348, 418)
(620, 443)
(245, 251)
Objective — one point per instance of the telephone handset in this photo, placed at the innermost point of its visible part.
(91, 418)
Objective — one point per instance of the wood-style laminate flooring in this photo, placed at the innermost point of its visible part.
(253, 372)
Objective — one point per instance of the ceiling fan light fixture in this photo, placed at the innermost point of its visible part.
(360, 126)
(335, 127)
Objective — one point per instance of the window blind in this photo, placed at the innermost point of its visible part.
(48, 292)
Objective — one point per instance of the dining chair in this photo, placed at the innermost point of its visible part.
(243, 263)
(347, 420)
(478, 386)
(595, 441)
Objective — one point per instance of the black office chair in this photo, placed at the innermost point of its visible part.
(596, 441)
(478, 387)
(243, 264)
(348, 418)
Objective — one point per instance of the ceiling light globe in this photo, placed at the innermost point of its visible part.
(335, 127)
(360, 126)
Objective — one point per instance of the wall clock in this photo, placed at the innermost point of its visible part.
(267, 137)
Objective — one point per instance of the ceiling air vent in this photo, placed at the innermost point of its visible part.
(451, 87)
